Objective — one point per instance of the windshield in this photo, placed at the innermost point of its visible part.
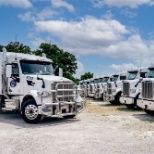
(132, 75)
(151, 73)
(115, 77)
(96, 81)
(100, 80)
(36, 67)
(105, 79)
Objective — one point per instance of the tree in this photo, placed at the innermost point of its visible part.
(1, 47)
(60, 58)
(18, 48)
(87, 75)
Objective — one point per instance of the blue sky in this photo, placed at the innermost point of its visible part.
(105, 35)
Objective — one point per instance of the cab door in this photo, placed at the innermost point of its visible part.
(14, 82)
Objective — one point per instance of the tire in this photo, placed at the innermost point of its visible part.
(102, 98)
(112, 102)
(116, 101)
(69, 116)
(130, 106)
(30, 112)
(149, 112)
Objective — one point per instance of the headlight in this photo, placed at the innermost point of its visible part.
(45, 94)
(132, 90)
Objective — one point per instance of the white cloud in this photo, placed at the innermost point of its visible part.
(100, 37)
(17, 3)
(80, 70)
(26, 16)
(37, 41)
(128, 13)
(122, 3)
(62, 4)
(108, 15)
(44, 14)
(81, 35)
(80, 67)
(122, 67)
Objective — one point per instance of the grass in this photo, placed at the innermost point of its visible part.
(105, 108)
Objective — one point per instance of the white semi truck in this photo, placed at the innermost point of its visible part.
(132, 87)
(146, 98)
(28, 84)
(100, 88)
(114, 88)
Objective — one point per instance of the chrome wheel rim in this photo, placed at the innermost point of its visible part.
(31, 111)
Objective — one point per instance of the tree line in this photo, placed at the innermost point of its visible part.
(60, 58)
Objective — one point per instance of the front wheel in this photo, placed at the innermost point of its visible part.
(30, 112)
(149, 112)
(131, 106)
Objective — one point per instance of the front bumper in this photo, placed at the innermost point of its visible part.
(145, 104)
(126, 100)
(91, 94)
(61, 109)
(98, 96)
(109, 98)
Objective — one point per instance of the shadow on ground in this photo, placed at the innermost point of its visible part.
(16, 119)
(144, 117)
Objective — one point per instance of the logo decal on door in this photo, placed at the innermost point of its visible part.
(13, 83)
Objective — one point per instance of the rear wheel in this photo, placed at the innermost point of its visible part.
(30, 112)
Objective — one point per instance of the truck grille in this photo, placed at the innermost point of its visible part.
(91, 89)
(126, 88)
(147, 89)
(98, 88)
(64, 92)
(109, 88)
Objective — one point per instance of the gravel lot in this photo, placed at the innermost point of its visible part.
(101, 128)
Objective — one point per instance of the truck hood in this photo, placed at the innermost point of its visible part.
(50, 78)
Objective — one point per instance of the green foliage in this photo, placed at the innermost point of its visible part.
(87, 75)
(18, 48)
(75, 80)
(62, 59)
(1, 47)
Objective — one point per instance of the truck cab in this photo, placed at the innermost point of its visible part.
(114, 87)
(146, 98)
(92, 87)
(132, 87)
(28, 84)
(100, 87)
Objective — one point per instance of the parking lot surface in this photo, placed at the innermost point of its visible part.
(101, 128)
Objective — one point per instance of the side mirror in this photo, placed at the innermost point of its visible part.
(8, 71)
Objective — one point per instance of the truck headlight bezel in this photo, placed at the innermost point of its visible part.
(132, 90)
(45, 94)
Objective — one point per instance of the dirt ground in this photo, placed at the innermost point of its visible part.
(101, 128)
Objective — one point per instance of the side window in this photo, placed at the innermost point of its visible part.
(122, 77)
(15, 70)
(143, 74)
